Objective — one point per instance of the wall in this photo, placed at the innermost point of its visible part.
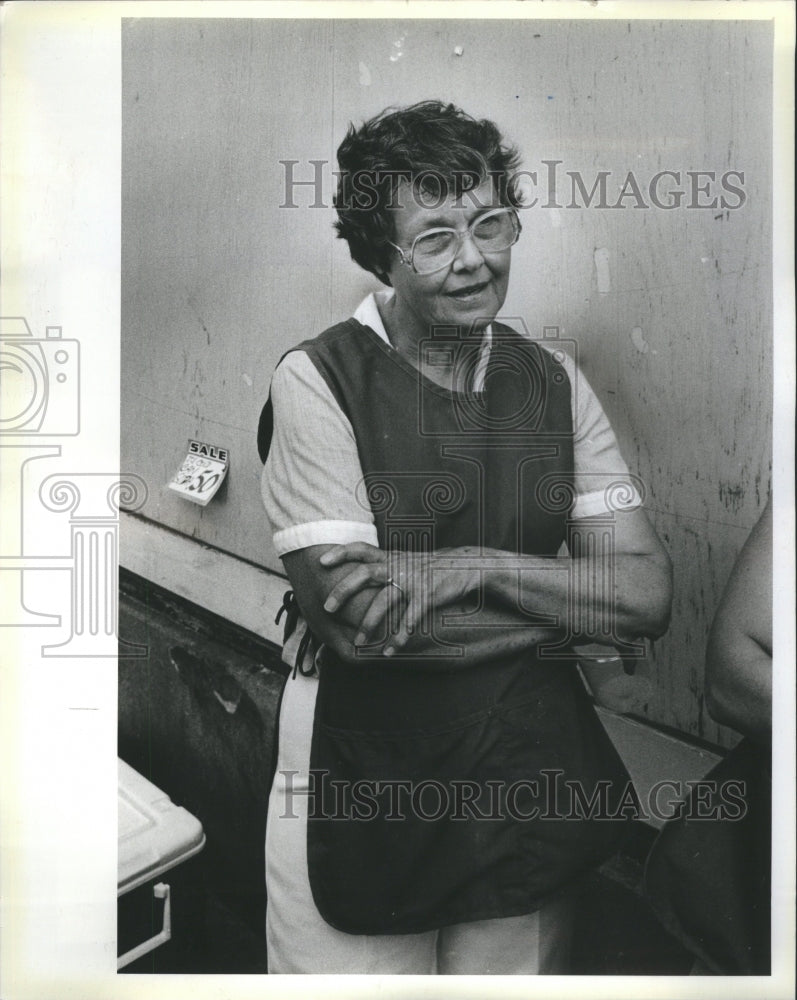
(670, 310)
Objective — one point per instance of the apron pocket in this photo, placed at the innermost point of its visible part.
(405, 833)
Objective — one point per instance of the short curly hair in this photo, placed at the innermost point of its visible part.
(436, 147)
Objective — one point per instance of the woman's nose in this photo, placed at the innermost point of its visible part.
(468, 256)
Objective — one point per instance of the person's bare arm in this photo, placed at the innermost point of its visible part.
(499, 630)
(624, 591)
(739, 653)
(311, 583)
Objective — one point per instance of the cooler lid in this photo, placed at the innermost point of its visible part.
(154, 834)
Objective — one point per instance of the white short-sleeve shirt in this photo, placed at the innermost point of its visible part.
(309, 482)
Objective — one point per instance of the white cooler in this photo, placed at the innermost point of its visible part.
(155, 836)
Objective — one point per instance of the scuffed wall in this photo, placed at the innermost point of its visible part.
(670, 308)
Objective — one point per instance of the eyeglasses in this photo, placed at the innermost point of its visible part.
(436, 248)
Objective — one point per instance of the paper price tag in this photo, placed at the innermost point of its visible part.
(202, 472)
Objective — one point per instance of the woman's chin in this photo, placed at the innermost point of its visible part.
(476, 314)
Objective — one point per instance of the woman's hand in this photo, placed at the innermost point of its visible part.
(415, 585)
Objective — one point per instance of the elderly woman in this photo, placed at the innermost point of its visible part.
(442, 780)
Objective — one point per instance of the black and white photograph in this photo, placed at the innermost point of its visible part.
(397, 443)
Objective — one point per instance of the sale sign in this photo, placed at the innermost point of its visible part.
(202, 472)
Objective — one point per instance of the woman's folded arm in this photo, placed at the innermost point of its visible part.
(477, 604)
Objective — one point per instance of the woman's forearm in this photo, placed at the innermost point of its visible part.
(592, 597)
(464, 605)
(454, 637)
(528, 600)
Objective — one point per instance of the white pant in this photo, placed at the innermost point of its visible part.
(300, 940)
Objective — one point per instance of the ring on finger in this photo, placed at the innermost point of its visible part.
(390, 582)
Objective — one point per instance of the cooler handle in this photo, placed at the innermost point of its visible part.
(160, 891)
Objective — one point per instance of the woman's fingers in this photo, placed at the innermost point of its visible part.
(428, 592)
(363, 575)
(418, 603)
(412, 587)
(352, 552)
(374, 627)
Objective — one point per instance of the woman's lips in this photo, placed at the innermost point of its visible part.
(469, 291)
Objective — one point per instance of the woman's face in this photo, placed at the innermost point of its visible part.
(471, 289)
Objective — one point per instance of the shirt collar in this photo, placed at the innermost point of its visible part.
(367, 313)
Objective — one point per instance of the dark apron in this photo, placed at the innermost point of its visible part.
(442, 794)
